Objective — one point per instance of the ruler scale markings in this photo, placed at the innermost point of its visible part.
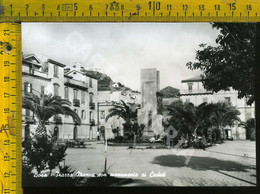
(153, 8)
(11, 148)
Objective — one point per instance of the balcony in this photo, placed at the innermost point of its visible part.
(57, 120)
(76, 102)
(92, 122)
(91, 105)
(40, 73)
(76, 84)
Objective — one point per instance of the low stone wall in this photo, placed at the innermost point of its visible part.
(131, 144)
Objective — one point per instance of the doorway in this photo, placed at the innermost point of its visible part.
(56, 133)
(75, 133)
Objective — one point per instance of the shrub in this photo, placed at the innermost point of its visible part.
(114, 130)
(42, 153)
(119, 139)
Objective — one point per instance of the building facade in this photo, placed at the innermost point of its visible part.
(194, 92)
(106, 100)
(46, 76)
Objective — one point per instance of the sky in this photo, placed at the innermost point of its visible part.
(121, 49)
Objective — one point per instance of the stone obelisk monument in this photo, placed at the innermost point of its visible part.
(148, 115)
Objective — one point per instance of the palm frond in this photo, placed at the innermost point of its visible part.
(75, 116)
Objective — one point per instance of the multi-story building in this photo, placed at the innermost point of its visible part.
(194, 92)
(48, 76)
(106, 100)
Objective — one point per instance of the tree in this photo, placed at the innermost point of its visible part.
(232, 62)
(45, 107)
(190, 117)
(249, 126)
(223, 118)
(128, 112)
(191, 120)
(115, 131)
(42, 153)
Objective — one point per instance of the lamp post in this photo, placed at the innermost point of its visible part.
(98, 116)
(105, 168)
(236, 123)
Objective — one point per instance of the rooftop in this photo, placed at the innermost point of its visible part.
(193, 79)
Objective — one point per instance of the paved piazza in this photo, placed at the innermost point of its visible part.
(232, 163)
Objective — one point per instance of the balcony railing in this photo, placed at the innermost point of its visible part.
(40, 73)
(92, 122)
(57, 120)
(91, 105)
(200, 91)
(76, 84)
(76, 102)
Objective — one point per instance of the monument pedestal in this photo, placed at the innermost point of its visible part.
(147, 135)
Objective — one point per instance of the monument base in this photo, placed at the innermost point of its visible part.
(147, 135)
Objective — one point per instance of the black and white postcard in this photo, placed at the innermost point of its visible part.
(138, 104)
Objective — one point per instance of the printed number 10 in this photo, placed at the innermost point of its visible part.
(157, 5)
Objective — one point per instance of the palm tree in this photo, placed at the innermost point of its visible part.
(45, 107)
(226, 116)
(128, 112)
(191, 117)
(249, 126)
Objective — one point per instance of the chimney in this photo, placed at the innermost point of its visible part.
(77, 66)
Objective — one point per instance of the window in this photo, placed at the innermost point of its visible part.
(56, 133)
(189, 87)
(150, 119)
(66, 93)
(91, 98)
(27, 112)
(91, 116)
(83, 96)
(55, 71)
(75, 94)
(187, 100)
(27, 87)
(75, 133)
(227, 99)
(56, 89)
(90, 82)
(205, 100)
(102, 114)
(31, 70)
(83, 114)
(42, 89)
